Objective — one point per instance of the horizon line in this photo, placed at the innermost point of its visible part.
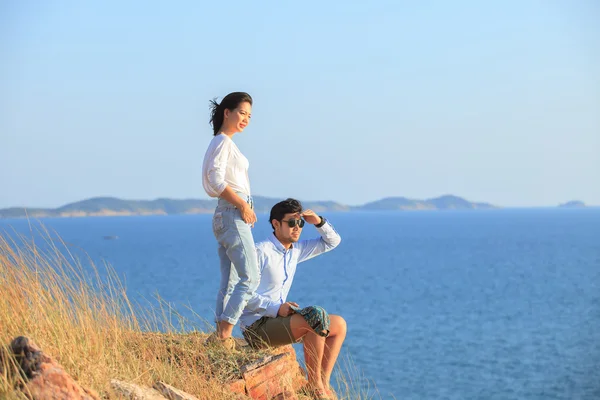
(305, 201)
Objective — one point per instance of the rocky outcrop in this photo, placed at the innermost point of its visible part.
(277, 376)
(44, 378)
(274, 377)
(172, 393)
(135, 392)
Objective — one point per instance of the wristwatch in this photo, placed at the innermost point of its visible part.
(320, 224)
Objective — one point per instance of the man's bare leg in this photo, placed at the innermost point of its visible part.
(314, 347)
(333, 345)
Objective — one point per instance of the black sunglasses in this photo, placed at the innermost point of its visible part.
(293, 222)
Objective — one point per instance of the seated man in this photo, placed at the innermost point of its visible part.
(269, 319)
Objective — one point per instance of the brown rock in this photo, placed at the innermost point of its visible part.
(277, 377)
(270, 380)
(286, 396)
(45, 378)
(135, 392)
(237, 386)
(172, 393)
(298, 375)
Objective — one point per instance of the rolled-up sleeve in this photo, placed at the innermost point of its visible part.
(263, 306)
(216, 167)
(329, 240)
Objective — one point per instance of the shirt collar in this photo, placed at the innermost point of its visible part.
(278, 244)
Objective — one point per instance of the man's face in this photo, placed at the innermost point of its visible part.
(284, 232)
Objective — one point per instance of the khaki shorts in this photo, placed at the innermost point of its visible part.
(269, 332)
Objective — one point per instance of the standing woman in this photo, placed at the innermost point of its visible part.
(225, 175)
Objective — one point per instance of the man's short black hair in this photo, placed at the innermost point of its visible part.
(286, 206)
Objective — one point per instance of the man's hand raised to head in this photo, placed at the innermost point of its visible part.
(310, 217)
(285, 309)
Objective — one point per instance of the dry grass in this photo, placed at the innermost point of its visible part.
(85, 321)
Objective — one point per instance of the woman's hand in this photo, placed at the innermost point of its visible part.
(248, 214)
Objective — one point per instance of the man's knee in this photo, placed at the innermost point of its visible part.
(338, 325)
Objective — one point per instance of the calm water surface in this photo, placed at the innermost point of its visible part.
(501, 304)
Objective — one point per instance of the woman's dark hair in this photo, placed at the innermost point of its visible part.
(230, 102)
(284, 207)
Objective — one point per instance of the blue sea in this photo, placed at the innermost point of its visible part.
(494, 304)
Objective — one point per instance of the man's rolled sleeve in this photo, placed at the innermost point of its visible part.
(330, 236)
(272, 310)
(329, 240)
(263, 305)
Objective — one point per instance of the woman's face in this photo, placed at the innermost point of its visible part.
(236, 120)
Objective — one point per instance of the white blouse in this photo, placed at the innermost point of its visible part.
(224, 164)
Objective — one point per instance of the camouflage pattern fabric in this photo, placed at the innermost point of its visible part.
(316, 317)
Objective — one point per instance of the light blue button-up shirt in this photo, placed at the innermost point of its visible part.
(277, 268)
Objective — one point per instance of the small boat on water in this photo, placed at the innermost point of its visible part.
(111, 237)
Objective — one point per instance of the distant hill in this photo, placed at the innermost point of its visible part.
(107, 206)
(447, 202)
(111, 206)
(573, 204)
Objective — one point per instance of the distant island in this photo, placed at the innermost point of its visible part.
(573, 204)
(447, 202)
(111, 206)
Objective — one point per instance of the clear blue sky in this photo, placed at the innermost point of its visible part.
(354, 101)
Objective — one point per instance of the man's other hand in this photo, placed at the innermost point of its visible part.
(310, 217)
(285, 309)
